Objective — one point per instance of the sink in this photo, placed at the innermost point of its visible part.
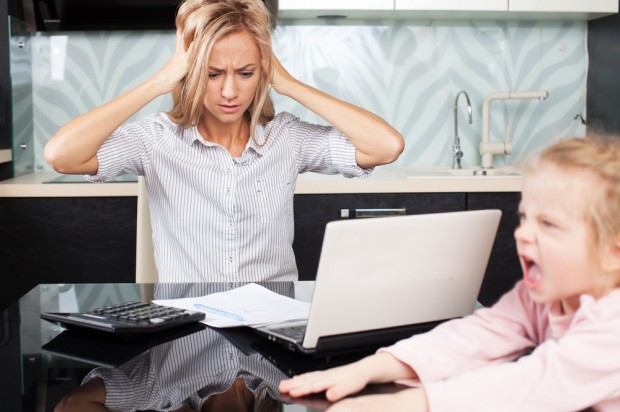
(421, 172)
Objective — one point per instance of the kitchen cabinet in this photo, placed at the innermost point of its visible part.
(564, 6)
(451, 5)
(335, 8)
(16, 126)
(5, 95)
(449, 9)
(65, 240)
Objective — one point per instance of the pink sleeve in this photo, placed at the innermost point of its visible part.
(497, 334)
(576, 371)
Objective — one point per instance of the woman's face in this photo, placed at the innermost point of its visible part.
(234, 72)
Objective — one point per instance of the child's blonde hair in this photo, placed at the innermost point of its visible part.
(202, 23)
(601, 157)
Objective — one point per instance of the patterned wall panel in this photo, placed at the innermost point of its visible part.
(408, 72)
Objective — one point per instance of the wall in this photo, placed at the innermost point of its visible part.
(406, 71)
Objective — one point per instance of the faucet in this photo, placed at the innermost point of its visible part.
(456, 147)
(488, 148)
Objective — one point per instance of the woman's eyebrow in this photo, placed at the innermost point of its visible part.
(249, 66)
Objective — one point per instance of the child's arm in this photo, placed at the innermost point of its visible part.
(346, 380)
(413, 400)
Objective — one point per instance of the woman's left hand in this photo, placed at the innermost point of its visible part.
(281, 77)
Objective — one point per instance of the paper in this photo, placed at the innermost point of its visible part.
(248, 305)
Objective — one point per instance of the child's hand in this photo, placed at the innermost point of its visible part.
(337, 382)
(413, 400)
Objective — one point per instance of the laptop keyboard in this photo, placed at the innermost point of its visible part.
(296, 332)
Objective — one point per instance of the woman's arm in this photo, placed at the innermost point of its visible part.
(89, 397)
(375, 140)
(73, 149)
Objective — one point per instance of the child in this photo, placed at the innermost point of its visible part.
(550, 344)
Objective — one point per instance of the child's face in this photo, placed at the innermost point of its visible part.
(554, 242)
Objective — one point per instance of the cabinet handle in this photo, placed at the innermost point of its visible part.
(361, 213)
(1, 106)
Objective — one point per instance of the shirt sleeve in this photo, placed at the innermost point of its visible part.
(126, 387)
(126, 151)
(322, 149)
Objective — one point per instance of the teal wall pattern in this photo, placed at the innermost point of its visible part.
(408, 72)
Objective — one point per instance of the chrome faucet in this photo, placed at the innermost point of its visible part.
(456, 146)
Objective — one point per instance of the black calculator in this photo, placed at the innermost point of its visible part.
(126, 318)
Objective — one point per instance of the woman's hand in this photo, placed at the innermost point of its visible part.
(176, 67)
(281, 78)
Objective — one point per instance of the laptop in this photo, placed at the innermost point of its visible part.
(384, 279)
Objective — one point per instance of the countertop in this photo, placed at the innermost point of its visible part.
(385, 179)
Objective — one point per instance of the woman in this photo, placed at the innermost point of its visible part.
(220, 168)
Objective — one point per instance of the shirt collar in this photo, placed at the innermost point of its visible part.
(191, 135)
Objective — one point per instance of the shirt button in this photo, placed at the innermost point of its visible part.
(230, 259)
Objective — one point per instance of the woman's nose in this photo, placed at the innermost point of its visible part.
(229, 88)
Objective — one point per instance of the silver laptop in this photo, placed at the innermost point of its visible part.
(382, 279)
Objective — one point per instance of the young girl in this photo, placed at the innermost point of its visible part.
(220, 168)
(550, 344)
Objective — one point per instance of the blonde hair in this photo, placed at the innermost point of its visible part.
(204, 22)
(600, 156)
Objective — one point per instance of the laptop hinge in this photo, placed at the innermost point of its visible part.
(372, 339)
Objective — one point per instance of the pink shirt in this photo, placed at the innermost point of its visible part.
(467, 364)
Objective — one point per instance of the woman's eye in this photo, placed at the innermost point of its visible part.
(213, 75)
(247, 74)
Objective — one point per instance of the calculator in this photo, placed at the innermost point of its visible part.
(126, 318)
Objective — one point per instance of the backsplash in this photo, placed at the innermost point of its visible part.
(408, 72)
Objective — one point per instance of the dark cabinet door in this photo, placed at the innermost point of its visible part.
(313, 212)
(65, 240)
(504, 268)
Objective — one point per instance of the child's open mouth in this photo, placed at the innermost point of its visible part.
(532, 274)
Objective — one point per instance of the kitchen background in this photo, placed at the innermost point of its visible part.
(407, 71)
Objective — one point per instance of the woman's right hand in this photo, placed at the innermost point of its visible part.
(176, 67)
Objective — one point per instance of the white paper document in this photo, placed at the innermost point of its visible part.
(248, 305)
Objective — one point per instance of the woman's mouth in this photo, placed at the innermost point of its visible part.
(229, 108)
(532, 273)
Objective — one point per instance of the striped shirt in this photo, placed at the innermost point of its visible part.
(215, 217)
(189, 370)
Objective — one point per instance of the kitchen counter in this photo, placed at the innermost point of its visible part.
(385, 179)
